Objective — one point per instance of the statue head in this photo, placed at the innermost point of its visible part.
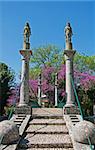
(27, 24)
(68, 24)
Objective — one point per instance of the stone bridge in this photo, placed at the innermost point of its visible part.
(46, 128)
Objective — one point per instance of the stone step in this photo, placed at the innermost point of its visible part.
(75, 121)
(18, 123)
(21, 115)
(47, 113)
(46, 149)
(47, 122)
(47, 117)
(53, 111)
(73, 117)
(46, 141)
(43, 129)
(18, 120)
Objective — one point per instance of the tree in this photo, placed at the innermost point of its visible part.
(86, 92)
(48, 81)
(49, 55)
(84, 83)
(85, 63)
(45, 56)
(6, 83)
(49, 59)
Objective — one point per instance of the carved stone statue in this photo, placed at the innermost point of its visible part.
(68, 33)
(27, 33)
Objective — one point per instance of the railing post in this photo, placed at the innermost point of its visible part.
(39, 90)
(56, 97)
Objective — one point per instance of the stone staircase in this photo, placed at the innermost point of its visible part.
(19, 119)
(46, 131)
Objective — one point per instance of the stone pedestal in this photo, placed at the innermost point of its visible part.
(71, 110)
(26, 109)
(69, 54)
(69, 46)
(24, 86)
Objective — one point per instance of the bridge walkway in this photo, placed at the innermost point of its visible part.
(46, 131)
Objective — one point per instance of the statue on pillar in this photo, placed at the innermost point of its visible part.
(68, 33)
(27, 33)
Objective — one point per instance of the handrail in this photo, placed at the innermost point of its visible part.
(11, 112)
(79, 105)
(76, 97)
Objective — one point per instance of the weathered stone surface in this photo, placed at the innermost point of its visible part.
(69, 55)
(47, 112)
(71, 110)
(47, 140)
(55, 129)
(47, 149)
(23, 110)
(47, 122)
(9, 132)
(83, 130)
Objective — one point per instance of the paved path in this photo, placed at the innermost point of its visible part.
(46, 131)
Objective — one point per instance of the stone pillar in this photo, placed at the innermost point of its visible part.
(39, 90)
(24, 89)
(23, 106)
(69, 55)
(56, 79)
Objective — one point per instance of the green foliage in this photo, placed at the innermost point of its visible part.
(86, 100)
(85, 63)
(34, 72)
(51, 55)
(47, 56)
(6, 82)
(9, 111)
(44, 56)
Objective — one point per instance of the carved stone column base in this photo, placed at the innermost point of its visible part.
(71, 110)
(25, 109)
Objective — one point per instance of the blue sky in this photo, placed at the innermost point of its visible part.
(47, 21)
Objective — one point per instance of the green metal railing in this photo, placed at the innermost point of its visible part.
(76, 96)
(60, 103)
(11, 112)
(79, 105)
